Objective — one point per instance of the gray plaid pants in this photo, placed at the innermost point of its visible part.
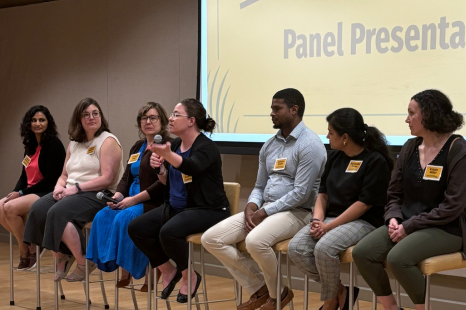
(319, 259)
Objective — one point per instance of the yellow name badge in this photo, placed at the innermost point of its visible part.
(134, 158)
(433, 173)
(354, 166)
(280, 164)
(26, 161)
(91, 150)
(186, 178)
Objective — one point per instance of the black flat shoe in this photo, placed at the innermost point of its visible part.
(171, 286)
(355, 294)
(182, 298)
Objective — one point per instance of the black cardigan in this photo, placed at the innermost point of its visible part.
(204, 164)
(148, 179)
(51, 160)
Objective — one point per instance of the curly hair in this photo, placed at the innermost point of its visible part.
(75, 128)
(162, 114)
(29, 138)
(437, 112)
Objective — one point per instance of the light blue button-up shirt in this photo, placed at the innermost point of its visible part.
(297, 185)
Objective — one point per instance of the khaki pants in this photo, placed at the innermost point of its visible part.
(220, 240)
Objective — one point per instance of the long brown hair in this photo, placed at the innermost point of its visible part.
(76, 130)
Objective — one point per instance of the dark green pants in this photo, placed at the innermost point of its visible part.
(402, 258)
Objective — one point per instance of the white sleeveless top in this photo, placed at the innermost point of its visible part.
(84, 162)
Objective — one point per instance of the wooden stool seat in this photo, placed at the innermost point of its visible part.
(347, 256)
(195, 239)
(440, 263)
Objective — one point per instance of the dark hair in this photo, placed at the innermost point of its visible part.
(292, 97)
(162, 114)
(195, 109)
(437, 112)
(350, 121)
(76, 130)
(29, 138)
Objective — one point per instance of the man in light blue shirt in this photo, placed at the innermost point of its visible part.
(290, 166)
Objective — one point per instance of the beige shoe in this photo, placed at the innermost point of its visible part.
(271, 304)
(80, 272)
(254, 302)
(69, 260)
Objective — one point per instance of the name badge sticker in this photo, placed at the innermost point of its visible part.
(433, 173)
(134, 158)
(91, 150)
(280, 164)
(354, 166)
(186, 178)
(26, 161)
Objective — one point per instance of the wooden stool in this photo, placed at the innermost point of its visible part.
(437, 264)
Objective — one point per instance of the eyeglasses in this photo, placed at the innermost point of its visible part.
(152, 118)
(176, 115)
(95, 114)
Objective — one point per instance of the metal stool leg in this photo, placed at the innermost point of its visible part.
(351, 287)
(306, 291)
(204, 287)
(356, 283)
(62, 295)
(427, 302)
(38, 277)
(86, 279)
(117, 290)
(12, 288)
(288, 275)
(398, 293)
(240, 294)
(55, 284)
(149, 287)
(102, 288)
(374, 302)
(155, 290)
(190, 269)
(279, 280)
(133, 295)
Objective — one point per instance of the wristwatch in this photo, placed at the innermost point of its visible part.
(20, 192)
(79, 188)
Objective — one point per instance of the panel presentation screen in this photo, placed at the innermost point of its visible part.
(369, 55)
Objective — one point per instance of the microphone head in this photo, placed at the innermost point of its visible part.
(158, 139)
(100, 195)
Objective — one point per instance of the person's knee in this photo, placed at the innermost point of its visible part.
(208, 240)
(9, 208)
(397, 261)
(255, 244)
(133, 229)
(360, 253)
(323, 250)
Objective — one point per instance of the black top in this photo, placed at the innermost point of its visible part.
(424, 195)
(204, 164)
(344, 186)
(51, 160)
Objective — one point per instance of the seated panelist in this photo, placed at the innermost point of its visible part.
(349, 206)
(139, 191)
(195, 198)
(93, 163)
(44, 155)
(290, 166)
(426, 208)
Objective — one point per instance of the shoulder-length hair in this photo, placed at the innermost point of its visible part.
(29, 137)
(76, 130)
(163, 118)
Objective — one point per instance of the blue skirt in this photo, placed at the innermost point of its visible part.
(110, 245)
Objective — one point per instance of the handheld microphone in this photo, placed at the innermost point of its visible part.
(157, 140)
(102, 196)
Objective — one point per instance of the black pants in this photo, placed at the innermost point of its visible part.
(161, 233)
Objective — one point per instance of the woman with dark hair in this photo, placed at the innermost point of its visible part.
(139, 191)
(93, 163)
(349, 206)
(194, 197)
(44, 155)
(425, 213)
